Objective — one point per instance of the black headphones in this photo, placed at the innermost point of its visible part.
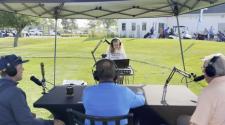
(98, 74)
(10, 68)
(209, 69)
(112, 41)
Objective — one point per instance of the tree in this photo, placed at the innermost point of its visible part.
(108, 23)
(74, 25)
(48, 25)
(94, 25)
(66, 25)
(16, 21)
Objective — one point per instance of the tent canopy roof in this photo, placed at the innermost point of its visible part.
(104, 9)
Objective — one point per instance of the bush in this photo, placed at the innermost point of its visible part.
(83, 35)
(70, 35)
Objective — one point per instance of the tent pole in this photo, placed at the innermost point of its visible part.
(175, 9)
(55, 44)
(55, 49)
(181, 47)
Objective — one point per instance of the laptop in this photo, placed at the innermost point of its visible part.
(122, 63)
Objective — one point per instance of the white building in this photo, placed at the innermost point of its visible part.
(214, 17)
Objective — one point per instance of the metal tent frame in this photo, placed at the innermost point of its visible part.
(105, 9)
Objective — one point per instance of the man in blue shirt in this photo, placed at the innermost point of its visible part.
(13, 105)
(108, 98)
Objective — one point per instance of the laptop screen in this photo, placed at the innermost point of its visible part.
(122, 63)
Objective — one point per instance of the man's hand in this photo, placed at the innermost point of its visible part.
(58, 122)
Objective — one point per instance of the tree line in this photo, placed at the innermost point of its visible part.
(19, 22)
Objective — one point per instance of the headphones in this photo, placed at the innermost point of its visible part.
(113, 40)
(10, 68)
(209, 69)
(98, 73)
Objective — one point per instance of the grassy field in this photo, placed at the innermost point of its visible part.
(151, 59)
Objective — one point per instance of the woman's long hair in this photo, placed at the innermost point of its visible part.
(111, 48)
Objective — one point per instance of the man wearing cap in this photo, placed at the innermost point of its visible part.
(13, 106)
(210, 109)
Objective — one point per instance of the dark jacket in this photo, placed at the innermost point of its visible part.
(13, 106)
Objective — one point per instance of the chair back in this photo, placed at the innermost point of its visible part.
(78, 118)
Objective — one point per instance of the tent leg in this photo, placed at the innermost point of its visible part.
(56, 14)
(181, 47)
(55, 49)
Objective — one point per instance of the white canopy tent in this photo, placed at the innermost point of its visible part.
(105, 9)
(111, 9)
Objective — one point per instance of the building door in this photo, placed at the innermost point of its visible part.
(138, 31)
(161, 27)
(161, 30)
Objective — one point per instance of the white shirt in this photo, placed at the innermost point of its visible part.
(116, 56)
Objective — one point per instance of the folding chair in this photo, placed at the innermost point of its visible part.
(78, 118)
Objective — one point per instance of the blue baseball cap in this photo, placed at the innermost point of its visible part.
(10, 60)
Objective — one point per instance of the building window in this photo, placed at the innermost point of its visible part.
(144, 26)
(123, 26)
(133, 26)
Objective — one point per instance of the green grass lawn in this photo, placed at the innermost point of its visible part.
(151, 59)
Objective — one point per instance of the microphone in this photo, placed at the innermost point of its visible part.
(199, 78)
(42, 71)
(36, 80)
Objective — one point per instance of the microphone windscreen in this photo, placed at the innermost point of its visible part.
(42, 64)
(35, 80)
(199, 78)
(42, 69)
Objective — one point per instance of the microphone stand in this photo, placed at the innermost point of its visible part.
(43, 81)
(44, 88)
(43, 84)
(93, 51)
(185, 74)
(49, 83)
(96, 47)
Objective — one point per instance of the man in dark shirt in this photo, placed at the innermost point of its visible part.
(13, 105)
